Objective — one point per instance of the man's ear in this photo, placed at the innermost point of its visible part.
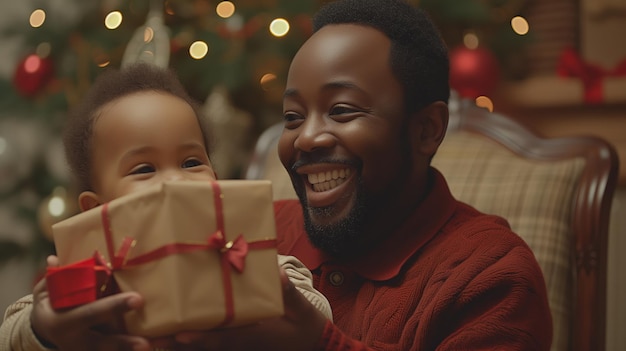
(429, 127)
(88, 200)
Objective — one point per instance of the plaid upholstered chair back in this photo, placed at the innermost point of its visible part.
(556, 194)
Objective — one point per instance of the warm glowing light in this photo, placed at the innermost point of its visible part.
(113, 20)
(198, 49)
(266, 80)
(56, 206)
(520, 25)
(43, 50)
(485, 102)
(37, 18)
(104, 64)
(148, 34)
(32, 63)
(279, 27)
(268, 77)
(225, 9)
(470, 40)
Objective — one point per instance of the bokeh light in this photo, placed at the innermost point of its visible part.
(484, 102)
(32, 63)
(56, 206)
(198, 50)
(225, 9)
(279, 27)
(266, 80)
(470, 40)
(113, 20)
(37, 18)
(520, 25)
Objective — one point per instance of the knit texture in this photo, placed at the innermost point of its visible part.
(15, 331)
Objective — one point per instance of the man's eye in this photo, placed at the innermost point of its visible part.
(143, 169)
(340, 110)
(191, 163)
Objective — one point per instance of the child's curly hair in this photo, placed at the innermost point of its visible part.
(108, 86)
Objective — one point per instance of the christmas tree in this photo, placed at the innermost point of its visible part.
(231, 55)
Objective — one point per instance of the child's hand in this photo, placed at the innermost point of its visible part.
(87, 327)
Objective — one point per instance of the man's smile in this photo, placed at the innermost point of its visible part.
(324, 181)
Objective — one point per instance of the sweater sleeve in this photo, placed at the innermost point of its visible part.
(301, 277)
(16, 333)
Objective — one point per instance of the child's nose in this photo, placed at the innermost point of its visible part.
(173, 176)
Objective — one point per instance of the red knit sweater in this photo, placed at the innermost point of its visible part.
(450, 279)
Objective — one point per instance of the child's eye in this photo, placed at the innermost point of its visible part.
(291, 116)
(142, 169)
(191, 163)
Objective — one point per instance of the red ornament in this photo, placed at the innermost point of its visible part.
(473, 72)
(33, 74)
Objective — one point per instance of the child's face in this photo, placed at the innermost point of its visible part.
(143, 139)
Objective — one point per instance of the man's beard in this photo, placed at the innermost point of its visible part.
(345, 239)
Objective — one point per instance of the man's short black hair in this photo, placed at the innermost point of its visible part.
(418, 55)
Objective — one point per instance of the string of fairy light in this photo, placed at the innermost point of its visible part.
(198, 49)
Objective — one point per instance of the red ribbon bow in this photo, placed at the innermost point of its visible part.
(572, 65)
(235, 251)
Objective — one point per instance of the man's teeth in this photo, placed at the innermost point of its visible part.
(324, 181)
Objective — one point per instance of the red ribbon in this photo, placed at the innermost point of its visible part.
(572, 65)
(77, 284)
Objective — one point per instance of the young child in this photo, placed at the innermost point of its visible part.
(136, 127)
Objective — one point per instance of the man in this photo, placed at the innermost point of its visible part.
(404, 265)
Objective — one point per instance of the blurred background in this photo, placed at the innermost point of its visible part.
(558, 66)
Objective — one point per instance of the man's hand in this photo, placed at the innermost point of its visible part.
(299, 329)
(88, 327)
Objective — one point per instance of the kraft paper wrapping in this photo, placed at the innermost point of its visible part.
(184, 291)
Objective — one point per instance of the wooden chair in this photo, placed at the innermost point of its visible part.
(556, 194)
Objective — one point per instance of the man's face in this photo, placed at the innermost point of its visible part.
(345, 140)
(143, 139)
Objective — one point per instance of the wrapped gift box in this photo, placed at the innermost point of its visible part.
(182, 246)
